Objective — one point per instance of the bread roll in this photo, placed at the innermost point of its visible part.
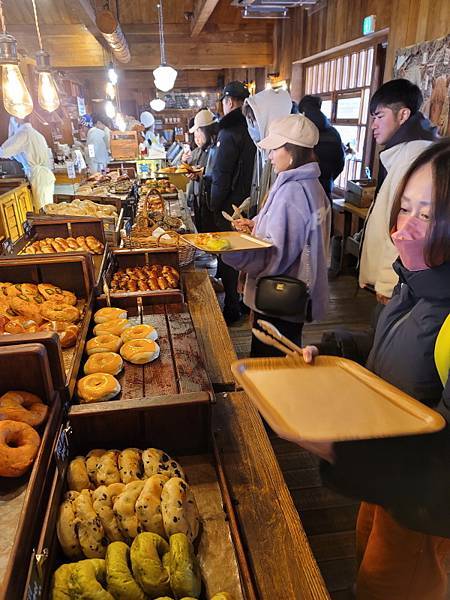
(77, 475)
(148, 505)
(130, 465)
(124, 509)
(179, 510)
(90, 529)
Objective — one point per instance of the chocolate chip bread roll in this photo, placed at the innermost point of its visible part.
(130, 465)
(77, 475)
(107, 470)
(66, 528)
(179, 510)
(125, 511)
(156, 461)
(103, 506)
(148, 505)
(90, 529)
(91, 464)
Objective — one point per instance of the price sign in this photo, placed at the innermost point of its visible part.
(91, 150)
(63, 447)
(70, 166)
(7, 246)
(27, 228)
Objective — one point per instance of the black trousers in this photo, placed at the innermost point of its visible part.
(229, 278)
(292, 331)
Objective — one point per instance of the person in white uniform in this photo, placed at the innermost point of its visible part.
(148, 121)
(97, 148)
(34, 147)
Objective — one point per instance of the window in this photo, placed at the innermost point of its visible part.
(344, 83)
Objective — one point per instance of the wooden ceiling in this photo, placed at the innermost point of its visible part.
(200, 34)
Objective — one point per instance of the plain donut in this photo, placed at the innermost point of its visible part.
(19, 445)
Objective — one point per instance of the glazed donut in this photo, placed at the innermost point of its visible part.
(77, 475)
(115, 326)
(52, 292)
(119, 578)
(147, 551)
(158, 462)
(87, 579)
(67, 332)
(107, 471)
(23, 306)
(103, 343)
(98, 387)
(90, 529)
(148, 505)
(108, 313)
(140, 352)
(124, 509)
(103, 362)
(54, 310)
(24, 407)
(19, 444)
(179, 510)
(66, 528)
(103, 506)
(130, 465)
(185, 577)
(139, 332)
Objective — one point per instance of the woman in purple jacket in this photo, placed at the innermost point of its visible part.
(296, 220)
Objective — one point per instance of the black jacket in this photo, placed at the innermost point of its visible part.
(232, 171)
(329, 150)
(409, 476)
(417, 127)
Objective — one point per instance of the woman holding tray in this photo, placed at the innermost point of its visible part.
(296, 220)
(403, 526)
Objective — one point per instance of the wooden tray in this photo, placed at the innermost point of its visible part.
(23, 499)
(179, 368)
(162, 425)
(238, 242)
(333, 399)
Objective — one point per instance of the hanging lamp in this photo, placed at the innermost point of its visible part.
(164, 75)
(47, 91)
(16, 97)
(158, 104)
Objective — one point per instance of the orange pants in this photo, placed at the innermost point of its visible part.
(396, 563)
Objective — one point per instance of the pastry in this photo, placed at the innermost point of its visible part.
(104, 362)
(66, 528)
(147, 551)
(130, 465)
(90, 529)
(18, 325)
(179, 510)
(54, 310)
(77, 475)
(60, 582)
(148, 505)
(24, 407)
(140, 352)
(107, 471)
(91, 460)
(124, 509)
(185, 578)
(139, 332)
(156, 461)
(25, 307)
(119, 577)
(98, 387)
(108, 313)
(106, 342)
(67, 332)
(103, 506)
(55, 293)
(19, 445)
(87, 579)
(114, 326)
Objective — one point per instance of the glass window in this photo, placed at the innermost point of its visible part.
(348, 108)
(327, 107)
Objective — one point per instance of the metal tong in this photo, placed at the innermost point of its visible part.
(228, 217)
(274, 338)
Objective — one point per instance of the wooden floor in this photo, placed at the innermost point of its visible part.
(328, 518)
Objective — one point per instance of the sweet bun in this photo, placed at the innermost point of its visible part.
(179, 510)
(140, 352)
(108, 313)
(106, 342)
(139, 332)
(55, 310)
(103, 362)
(114, 326)
(98, 387)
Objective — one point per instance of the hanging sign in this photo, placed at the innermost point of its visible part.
(81, 106)
(369, 24)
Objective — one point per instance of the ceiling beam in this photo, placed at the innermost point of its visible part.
(203, 9)
(84, 11)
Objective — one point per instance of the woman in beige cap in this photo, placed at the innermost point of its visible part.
(296, 220)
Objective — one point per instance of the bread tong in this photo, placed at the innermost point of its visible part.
(274, 338)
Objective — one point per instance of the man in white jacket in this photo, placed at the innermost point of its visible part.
(400, 127)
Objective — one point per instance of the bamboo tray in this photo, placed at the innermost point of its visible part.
(333, 399)
(238, 242)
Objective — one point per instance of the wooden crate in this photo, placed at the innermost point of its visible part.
(69, 272)
(160, 424)
(43, 227)
(124, 145)
(122, 258)
(23, 499)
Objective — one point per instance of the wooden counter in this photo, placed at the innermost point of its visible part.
(275, 543)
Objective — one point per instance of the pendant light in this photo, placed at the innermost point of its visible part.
(164, 75)
(112, 74)
(47, 91)
(16, 97)
(120, 122)
(110, 109)
(158, 104)
(110, 90)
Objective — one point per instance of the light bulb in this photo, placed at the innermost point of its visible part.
(112, 75)
(16, 97)
(203, 94)
(120, 122)
(47, 92)
(191, 102)
(158, 104)
(164, 77)
(110, 109)
(110, 90)
(199, 103)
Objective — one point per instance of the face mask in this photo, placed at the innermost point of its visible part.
(409, 239)
(254, 132)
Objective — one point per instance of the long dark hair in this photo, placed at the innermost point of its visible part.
(210, 132)
(300, 155)
(437, 245)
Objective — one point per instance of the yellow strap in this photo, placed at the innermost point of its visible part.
(442, 351)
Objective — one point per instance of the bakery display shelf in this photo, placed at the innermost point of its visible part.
(40, 227)
(218, 545)
(23, 499)
(178, 370)
(122, 258)
(70, 272)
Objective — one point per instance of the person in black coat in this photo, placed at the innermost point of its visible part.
(329, 150)
(231, 180)
(403, 529)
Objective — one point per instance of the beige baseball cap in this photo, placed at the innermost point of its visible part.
(202, 119)
(294, 129)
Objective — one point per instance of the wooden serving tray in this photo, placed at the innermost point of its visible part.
(333, 399)
(23, 499)
(162, 425)
(238, 242)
